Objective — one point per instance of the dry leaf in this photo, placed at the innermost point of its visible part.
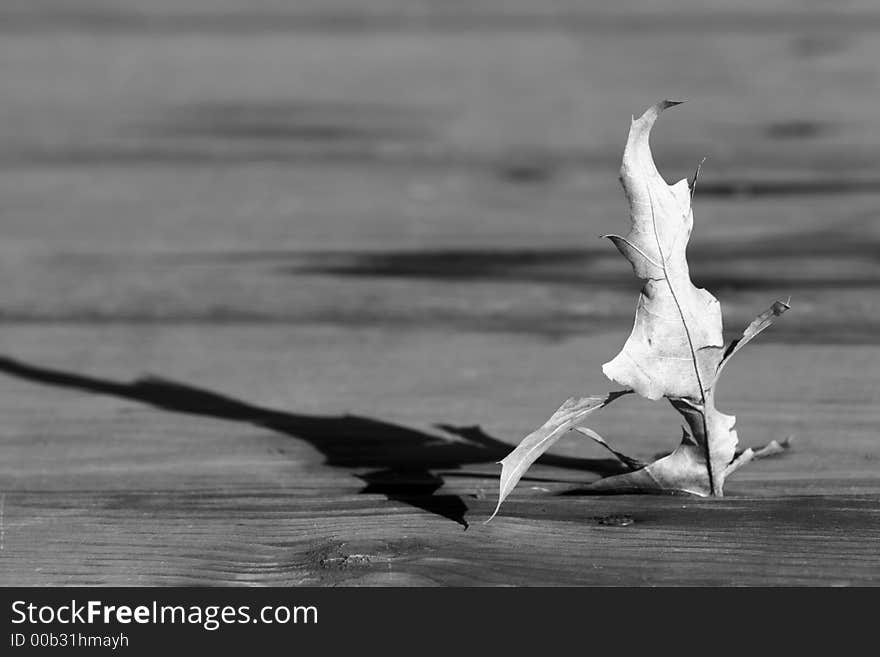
(675, 349)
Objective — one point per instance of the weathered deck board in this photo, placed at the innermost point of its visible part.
(248, 470)
(281, 538)
(281, 285)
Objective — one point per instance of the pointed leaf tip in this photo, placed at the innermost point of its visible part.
(494, 513)
(654, 110)
(667, 103)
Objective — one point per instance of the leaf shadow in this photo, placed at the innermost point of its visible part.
(398, 462)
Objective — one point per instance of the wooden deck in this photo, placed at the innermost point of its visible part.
(280, 286)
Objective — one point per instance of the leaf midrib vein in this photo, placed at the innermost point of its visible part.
(687, 333)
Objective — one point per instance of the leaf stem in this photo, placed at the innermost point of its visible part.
(690, 340)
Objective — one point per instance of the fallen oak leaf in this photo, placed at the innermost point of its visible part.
(675, 349)
(572, 412)
(676, 343)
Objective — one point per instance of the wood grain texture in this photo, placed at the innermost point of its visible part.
(241, 464)
(279, 289)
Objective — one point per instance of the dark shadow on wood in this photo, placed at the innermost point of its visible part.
(399, 460)
(718, 266)
(295, 121)
(731, 264)
(592, 492)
